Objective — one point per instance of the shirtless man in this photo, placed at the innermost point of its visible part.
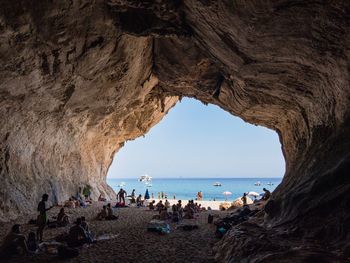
(42, 217)
(77, 235)
(121, 195)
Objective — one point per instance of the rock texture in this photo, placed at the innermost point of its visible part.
(79, 78)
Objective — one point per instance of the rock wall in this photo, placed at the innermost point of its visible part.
(80, 78)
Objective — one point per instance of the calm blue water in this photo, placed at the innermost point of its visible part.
(187, 188)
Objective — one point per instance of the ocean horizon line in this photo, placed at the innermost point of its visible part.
(199, 178)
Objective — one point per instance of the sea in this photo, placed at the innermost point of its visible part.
(187, 188)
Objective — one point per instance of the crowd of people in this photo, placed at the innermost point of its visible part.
(79, 233)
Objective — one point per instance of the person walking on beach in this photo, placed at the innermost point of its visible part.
(174, 197)
(121, 195)
(42, 217)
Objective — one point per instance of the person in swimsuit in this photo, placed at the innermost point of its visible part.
(42, 217)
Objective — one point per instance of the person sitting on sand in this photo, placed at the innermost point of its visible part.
(164, 215)
(159, 206)
(85, 226)
(139, 201)
(244, 199)
(110, 215)
(266, 195)
(167, 203)
(101, 198)
(70, 203)
(151, 205)
(12, 242)
(77, 235)
(189, 212)
(62, 218)
(102, 214)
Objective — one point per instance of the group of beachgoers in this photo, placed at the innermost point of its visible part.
(177, 212)
(15, 241)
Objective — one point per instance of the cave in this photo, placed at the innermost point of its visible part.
(80, 78)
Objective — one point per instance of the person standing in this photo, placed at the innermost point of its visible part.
(244, 199)
(121, 195)
(42, 217)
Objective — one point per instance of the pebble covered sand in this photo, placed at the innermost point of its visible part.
(134, 243)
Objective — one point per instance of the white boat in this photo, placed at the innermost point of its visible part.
(269, 183)
(122, 184)
(217, 184)
(258, 183)
(145, 178)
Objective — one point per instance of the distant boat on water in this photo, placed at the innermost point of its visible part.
(145, 178)
(258, 183)
(122, 184)
(217, 184)
(269, 183)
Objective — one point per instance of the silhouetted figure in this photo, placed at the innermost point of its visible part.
(62, 218)
(12, 242)
(42, 217)
(110, 215)
(77, 235)
(266, 195)
(102, 214)
(244, 199)
(121, 195)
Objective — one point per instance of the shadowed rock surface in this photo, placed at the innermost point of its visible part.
(79, 78)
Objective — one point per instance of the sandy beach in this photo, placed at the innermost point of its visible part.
(133, 243)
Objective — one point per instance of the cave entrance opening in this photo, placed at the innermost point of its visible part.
(194, 147)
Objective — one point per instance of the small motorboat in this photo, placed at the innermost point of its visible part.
(122, 184)
(258, 183)
(269, 183)
(217, 184)
(145, 178)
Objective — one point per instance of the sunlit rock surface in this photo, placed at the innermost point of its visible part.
(79, 78)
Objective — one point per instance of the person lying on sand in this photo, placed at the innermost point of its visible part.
(77, 235)
(13, 241)
(103, 214)
(110, 215)
(62, 218)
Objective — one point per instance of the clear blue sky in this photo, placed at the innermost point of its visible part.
(195, 140)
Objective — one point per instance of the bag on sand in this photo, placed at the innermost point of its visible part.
(66, 252)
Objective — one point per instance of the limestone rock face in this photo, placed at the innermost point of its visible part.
(79, 78)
